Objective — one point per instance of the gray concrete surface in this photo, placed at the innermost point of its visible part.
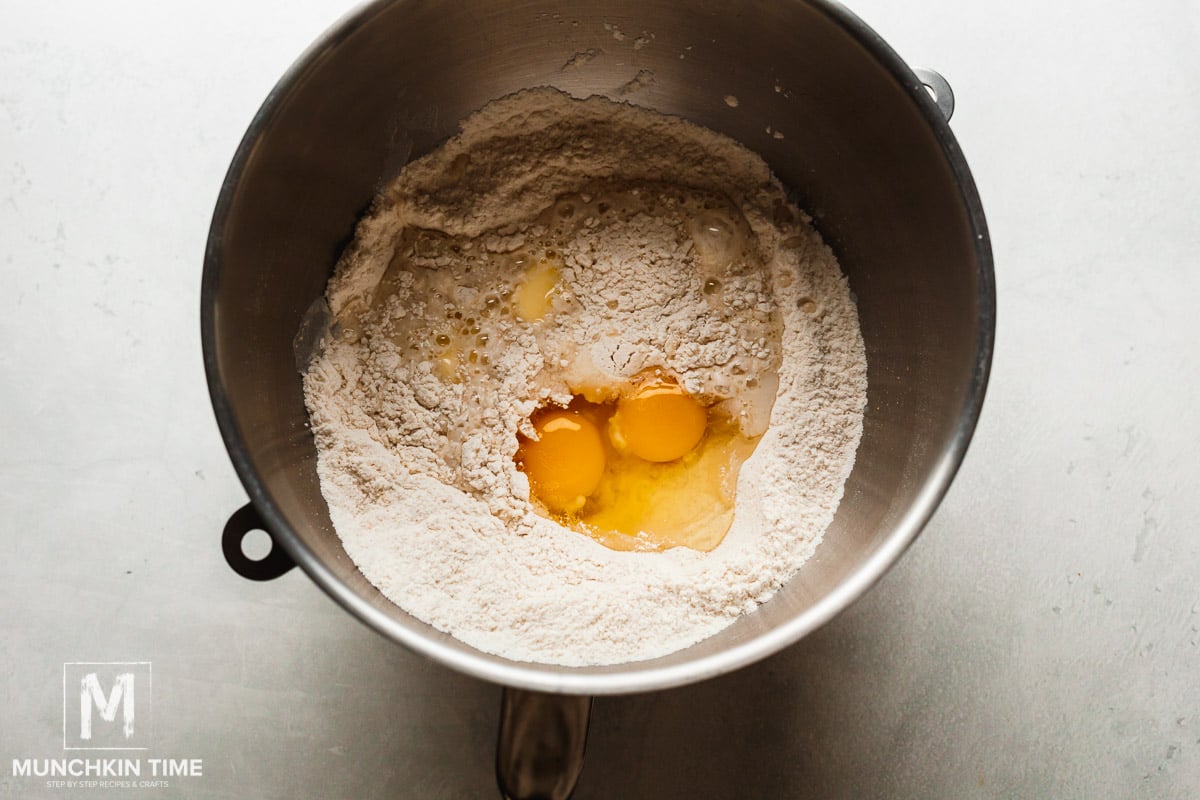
(1039, 640)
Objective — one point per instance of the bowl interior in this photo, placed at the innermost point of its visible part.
(862, 149)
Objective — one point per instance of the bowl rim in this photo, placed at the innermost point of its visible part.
(636, 676)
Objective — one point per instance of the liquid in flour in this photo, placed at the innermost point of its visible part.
(461, 319)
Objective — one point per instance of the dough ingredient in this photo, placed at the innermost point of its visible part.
(558, 249)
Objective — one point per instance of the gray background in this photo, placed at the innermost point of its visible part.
(1039, 640)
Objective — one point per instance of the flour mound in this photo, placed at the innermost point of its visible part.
(416, 441)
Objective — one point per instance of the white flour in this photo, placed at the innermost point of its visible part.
(417, 402)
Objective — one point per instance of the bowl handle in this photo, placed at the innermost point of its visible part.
(939, 88)
(276, 562)
(542, 737)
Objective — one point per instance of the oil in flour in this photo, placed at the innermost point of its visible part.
(639, 463)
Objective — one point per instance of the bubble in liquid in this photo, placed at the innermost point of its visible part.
(711, 286)
(716, 239)
(442, 339)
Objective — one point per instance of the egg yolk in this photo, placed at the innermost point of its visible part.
(566, 462)
(664, 476)
(659, 422)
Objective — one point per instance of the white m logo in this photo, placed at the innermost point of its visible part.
(90, 694)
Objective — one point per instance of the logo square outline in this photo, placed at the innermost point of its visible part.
(149, 680)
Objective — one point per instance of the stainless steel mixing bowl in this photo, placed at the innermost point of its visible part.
(865, 148)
